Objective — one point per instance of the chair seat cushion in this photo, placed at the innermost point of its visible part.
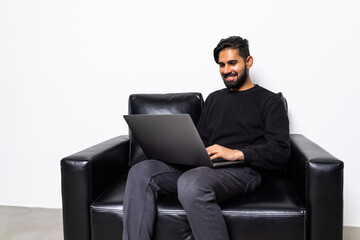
(273, 208)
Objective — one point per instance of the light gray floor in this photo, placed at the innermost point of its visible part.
(21, 223)
(351, 233)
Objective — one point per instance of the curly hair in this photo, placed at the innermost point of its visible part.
(234, 42)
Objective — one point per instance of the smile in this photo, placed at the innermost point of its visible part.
(230, 77)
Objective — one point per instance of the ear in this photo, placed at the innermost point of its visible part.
(249, 62)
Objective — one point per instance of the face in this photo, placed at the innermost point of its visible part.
(233, 68)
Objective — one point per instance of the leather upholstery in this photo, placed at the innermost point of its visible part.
(304, 203)
(85, 175)
(317, 178)
(272, 207)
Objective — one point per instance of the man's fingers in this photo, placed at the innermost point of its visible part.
(213, 149)
(217, 151)
(212, 152)
(212, 157)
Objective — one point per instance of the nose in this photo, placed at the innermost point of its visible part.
(227, 69)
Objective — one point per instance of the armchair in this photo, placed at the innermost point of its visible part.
(305, 202)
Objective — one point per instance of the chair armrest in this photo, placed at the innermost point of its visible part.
(317, 178)
(84, 176)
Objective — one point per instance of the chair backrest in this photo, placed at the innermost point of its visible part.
(283, 99)
(173, 103)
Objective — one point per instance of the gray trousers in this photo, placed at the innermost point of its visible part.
(199, 190)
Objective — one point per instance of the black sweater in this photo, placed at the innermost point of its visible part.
(253, 121)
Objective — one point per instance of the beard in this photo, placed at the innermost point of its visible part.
(237, 83)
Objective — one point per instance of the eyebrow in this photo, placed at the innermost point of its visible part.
(230, 61)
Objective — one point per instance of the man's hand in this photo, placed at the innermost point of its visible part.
(217, 151)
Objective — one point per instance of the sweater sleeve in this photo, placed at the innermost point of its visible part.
(275, 152)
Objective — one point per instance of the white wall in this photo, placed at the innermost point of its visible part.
(68, 67)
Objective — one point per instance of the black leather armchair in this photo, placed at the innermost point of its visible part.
(305, 202)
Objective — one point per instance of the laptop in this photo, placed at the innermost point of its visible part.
(172, 139)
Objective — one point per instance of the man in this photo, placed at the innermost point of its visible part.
(243, 122)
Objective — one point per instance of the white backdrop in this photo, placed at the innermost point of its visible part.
(68, 67)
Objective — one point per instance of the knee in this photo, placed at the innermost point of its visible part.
(142, 171)
(191, 188)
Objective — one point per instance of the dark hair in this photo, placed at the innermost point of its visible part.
(234, 42)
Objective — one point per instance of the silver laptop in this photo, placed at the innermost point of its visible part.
(172, 139)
